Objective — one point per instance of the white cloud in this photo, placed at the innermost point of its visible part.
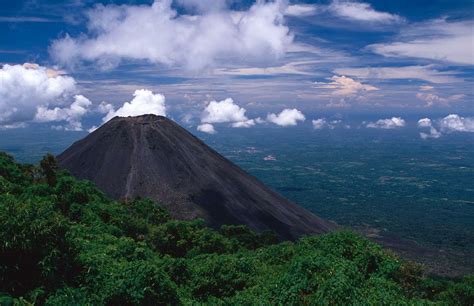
(158, 34)
(286, 117)
(296, 68)
(359, 11)
(427, 123)
(391, 123)
(424, 122)
(105, 107)
(448, 124)
(426, 73)
(244, 124)
(144, 102)
(322, 123)
(319, 124)
(456, 123)
(259, 120)
(71, 114)
(28, 91)
(301, 10)
(434, 133)
(226, 111)
(206, 128)
(344, 86)
(348, 10)
(223, 111)
(437, 40)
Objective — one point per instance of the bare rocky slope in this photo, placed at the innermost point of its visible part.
(152, 156)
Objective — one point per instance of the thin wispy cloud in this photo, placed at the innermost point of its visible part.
(297, 68)
(427, 73)
(439, 40)
(21, 19)
(347, 10)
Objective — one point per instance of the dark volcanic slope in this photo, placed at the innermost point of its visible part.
(152, 156)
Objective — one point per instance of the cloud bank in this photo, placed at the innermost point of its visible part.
(158, 34)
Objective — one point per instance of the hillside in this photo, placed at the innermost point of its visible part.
(152, 156)
(63, 242)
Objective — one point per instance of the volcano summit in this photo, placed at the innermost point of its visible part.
(152, 156)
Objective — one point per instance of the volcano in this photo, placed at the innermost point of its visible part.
(152, 156)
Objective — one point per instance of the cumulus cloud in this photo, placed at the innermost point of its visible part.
(158, 34)
(223, 111)
(286, 117)
(206, 128)
(31, 92)
(424, 122)
(391, 123)
(144, 102)
(438, 40)
(71, 114)
(456, 123)
(344, 86)
(448, 124)
(226, 111)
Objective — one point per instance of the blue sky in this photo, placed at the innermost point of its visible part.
(87, 59)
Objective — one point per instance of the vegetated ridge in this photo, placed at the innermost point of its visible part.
(63, 242)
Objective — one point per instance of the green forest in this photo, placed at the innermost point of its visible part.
(63, 242)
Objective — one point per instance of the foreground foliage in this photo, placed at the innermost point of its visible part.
(62, 242)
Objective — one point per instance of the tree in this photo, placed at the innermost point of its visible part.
(49, 165)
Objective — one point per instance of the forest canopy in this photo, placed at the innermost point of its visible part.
(63, 242)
